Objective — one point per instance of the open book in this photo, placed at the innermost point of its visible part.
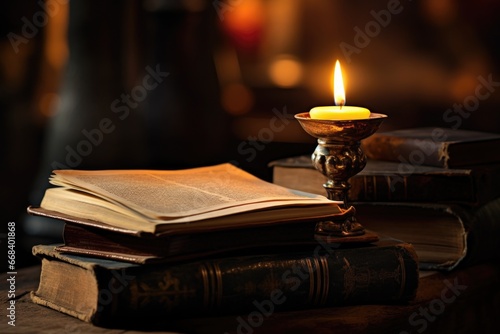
(171, 202)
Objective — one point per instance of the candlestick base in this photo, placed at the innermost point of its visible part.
(348, 228)
(367, 237)
(339, 156)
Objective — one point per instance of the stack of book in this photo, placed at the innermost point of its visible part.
(142, 246)
(438, 189)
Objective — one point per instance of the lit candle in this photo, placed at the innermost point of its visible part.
(339, 111)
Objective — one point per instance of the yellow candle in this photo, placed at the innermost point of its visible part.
(339, 112)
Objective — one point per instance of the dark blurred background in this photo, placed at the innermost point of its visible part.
(183, 83)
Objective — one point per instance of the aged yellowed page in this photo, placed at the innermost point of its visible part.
(133, 198)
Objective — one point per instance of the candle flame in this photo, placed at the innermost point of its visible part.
(338, 86)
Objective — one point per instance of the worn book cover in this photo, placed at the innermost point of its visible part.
(433, 146)
(95, 241)
(445, 236)
(451, 216)
(115, 293)
(386, 181)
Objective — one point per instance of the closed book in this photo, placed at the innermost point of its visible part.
(432, 146)
(385, 181)
(113, 293)
(445, 236)
(451, 216)
(93, 238)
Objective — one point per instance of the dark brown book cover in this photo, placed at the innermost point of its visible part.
(116, 293)
(93, 238)
(385, 181)
(441, 147)
(445, 236)
(450, 215)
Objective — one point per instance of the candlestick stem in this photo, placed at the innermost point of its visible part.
(338, 191)
(339, 156)
(338, 161)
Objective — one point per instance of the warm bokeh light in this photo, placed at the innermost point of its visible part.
(244, 23)
(338, 85)
(55, 56)
(285, 71)
(56, 45)
(236, 99)
(47, 104)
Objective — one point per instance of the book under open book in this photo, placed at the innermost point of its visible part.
(116, 294)
(175, 213)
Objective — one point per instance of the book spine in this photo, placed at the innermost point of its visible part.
(413, 188)
(396, 187)
(482, 239)
(423, 152)
(266, 284)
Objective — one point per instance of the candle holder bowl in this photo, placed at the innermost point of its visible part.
(339, 157)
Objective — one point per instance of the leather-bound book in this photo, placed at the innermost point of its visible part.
(433, 146)
(451, 216)
(387, 181)
(112, 293)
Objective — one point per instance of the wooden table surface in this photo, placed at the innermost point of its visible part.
(435, 310)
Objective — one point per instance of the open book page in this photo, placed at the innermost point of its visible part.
(184, 195)
(82, 206)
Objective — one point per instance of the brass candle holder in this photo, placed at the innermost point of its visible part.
(339, 156)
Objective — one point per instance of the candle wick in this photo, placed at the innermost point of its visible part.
(341, 104)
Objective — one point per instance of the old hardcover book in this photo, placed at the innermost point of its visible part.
(181, 201)
(444, 236)
(449, 215)
(439, 147)
(153, 216)
(115, 293)
(86, 240)
(385, 181)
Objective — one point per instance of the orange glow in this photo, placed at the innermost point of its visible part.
(47, 104)
(338, 86)
(56, 47)
(285, 71)
(244, 23)
(237, 99)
